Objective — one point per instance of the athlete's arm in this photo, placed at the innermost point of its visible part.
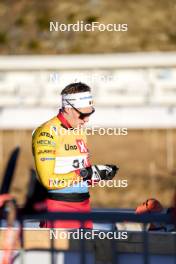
(45, 147)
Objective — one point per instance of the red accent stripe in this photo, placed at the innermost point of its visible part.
(63, 120)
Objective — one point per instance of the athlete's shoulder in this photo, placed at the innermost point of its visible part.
(49, 128)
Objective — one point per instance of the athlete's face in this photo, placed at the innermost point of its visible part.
(75, 118)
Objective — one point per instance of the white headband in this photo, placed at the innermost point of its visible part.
(78, 100)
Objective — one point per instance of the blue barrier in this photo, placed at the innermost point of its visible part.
(111, 216)
(101, 216)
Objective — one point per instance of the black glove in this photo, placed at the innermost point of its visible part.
(99, 172)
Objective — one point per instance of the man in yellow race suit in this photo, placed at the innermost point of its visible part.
(62, 158)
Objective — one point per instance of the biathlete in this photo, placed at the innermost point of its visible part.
(62, 157)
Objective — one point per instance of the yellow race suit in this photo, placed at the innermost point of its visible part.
(59, 153)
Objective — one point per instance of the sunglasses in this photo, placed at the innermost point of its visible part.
(81, 115)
